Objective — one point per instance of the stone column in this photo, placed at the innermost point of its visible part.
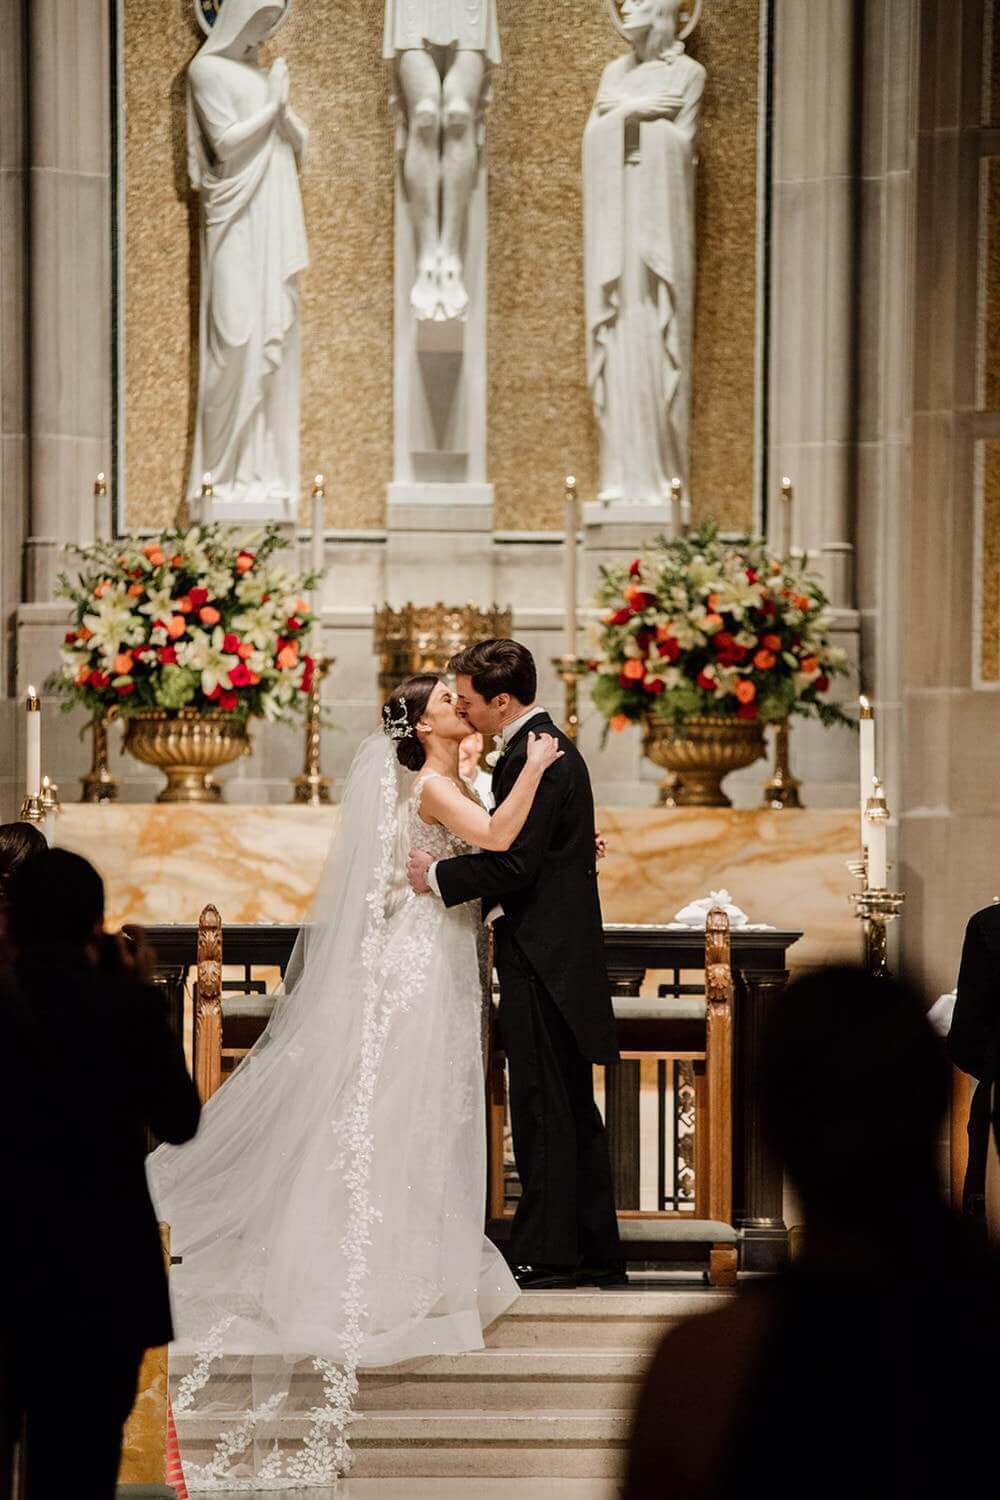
(13, 291)
(813, 281)
(69, 70)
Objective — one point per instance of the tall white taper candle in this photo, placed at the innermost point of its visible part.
(787, 495)
(33, 780)
(866, 725)
(878, 825)
(317, 557)
(570, 565)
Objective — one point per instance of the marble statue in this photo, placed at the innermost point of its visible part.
(443, 53)
(245, 146)
(639, 253)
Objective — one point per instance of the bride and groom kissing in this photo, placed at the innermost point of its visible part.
(331, 1206)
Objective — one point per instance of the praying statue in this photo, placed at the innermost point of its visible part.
(443, 53)
(245, 147)
(639, 252)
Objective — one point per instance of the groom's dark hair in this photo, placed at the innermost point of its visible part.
(498, 667)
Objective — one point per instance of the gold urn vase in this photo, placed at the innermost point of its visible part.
(699, 754)
(187, 746)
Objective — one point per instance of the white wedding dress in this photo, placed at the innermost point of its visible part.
(330, 1210)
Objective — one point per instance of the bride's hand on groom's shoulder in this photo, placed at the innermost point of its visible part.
(543, 750)
(600, 844)
(417, 865)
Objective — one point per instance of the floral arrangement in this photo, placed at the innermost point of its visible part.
(700, 625)
(198, 619)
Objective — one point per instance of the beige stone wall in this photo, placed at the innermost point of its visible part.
(540, 423)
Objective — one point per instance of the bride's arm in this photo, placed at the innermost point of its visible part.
(443, 801)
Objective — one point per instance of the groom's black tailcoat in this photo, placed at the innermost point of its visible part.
(555, 1006)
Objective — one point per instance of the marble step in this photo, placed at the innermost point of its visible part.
(605, 1320)
(508, 1380)
(428, 1443)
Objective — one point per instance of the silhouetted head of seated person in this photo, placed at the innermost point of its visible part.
(18, 842)
(853, 1087)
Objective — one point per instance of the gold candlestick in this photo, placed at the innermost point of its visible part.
(32, 811)
(311, 786)
(782, 790)
(98, 784)
(570, 669)
(876, 909)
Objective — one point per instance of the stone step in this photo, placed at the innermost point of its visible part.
(605, 1320)
(508, 1380)
(429, 1443)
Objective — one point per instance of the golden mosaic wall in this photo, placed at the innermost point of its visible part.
(540, 423)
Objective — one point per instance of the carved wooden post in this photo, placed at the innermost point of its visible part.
(759, 1177)
(208, 1004)
(719, 1063)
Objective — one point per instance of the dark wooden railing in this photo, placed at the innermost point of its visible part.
(737, 994)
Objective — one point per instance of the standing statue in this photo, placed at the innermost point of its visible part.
(443, 53)
(245, 145)
(639, 253)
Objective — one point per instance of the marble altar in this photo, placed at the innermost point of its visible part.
(259, 864)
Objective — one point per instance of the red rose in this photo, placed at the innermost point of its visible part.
(751, 575)
(670, 649)
(124, 688)
(723, 642)
(98, 680)
(706, 682)
(621, 616)
(215, 693)
(228, 701)
(168, 655)
(69, 638)
(139, 652)
(230, 643)
(635, 567)
(198, 597)
(654, 685)
(747, 711)
(738, 654)
(822, 684)
(240, 675)
(293, 623)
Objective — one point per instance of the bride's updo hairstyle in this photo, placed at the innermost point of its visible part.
(402, 712)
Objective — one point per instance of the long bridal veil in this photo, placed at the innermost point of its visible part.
(272, 1207)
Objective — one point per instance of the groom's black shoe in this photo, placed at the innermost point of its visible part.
(544, 1278)
(608, 1277)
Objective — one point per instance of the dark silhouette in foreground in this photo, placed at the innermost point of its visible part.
(866, 1369)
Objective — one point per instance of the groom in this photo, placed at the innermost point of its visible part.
(555, 1007)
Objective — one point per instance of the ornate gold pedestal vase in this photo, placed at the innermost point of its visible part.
(700, 754)
(187, 747)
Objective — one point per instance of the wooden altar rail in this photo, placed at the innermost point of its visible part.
(757, 974)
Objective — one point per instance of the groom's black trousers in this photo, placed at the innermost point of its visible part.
(566, 1215)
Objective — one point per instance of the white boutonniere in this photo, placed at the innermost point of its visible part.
(496, 755)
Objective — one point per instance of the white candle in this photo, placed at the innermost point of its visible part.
(102, 516)
(866, 724)
(316, 538)
(786, 516)
(878, 826)
(570, 565)
(676, 507)
(33, 785)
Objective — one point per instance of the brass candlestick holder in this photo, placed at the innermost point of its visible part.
(98, 784)
(32, 811)
(782, 789)
(876, 909)
(570, 669)
(311, 786)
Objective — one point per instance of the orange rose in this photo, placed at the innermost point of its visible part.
(254, 678)
(84, 634)
(176, 560)
(209, 615)
(809, 664)
(136, 590)
(802, 602)
(123, 663)
(301, 606)
(764, 660)
(619, 722)
(634, 669)
(772, 642)
(150, 548)
(244, 562)
(82, 673)
(713, 601)
(102, 588)
(244, 650)
(184, 606)
(176, 626)
(745, 690)
(713, 622)
(156, 558)
(665, 632)
(632, 593)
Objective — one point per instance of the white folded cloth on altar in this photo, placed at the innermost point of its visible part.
(696, 914)
(941, 1012)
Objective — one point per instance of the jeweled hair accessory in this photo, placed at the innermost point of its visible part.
(398, 728)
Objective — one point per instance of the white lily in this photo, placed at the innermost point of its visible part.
(112, 622)
(204, 654)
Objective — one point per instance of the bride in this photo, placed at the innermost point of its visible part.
(329, 1213)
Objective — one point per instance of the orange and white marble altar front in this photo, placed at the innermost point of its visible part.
(261, 864)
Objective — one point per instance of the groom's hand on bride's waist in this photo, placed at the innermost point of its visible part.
(417, 866)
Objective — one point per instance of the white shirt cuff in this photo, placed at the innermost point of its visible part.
(432, 880)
